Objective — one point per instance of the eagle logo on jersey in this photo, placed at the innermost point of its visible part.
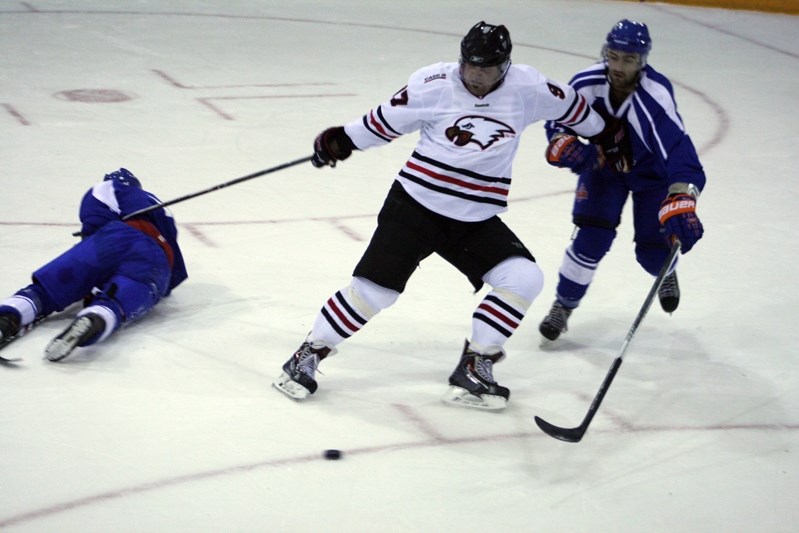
(481, 131)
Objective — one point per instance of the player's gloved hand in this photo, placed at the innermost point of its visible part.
(613, 143)
(330, 146)
(566, 151)
(678, 217)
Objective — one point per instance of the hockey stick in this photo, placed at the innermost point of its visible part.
(212, 189)
(575, 434)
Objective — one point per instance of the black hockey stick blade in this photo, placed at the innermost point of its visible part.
(22, 332)
(576, 434)
(5, 342)
(564, 434)
(8, 360)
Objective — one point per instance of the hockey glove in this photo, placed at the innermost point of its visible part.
(678, 218)
(330, 146)
(566, 151)
(614, 146)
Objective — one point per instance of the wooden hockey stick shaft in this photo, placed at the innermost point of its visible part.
(575, 434)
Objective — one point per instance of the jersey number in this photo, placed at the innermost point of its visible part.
(557, 91)
(401, 98)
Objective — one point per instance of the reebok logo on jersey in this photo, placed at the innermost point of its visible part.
(481, 131)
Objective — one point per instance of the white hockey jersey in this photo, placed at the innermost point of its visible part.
(461, 166)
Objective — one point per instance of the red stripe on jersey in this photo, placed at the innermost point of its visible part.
(577, 113)
(349, 325)
(455, 181)
(379, 127)
(512, 323)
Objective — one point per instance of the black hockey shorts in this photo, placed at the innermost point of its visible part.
(407, 233)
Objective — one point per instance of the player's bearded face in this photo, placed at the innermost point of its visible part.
(480, 80)
(623, 69)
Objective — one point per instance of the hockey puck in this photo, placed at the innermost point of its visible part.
(332, 455)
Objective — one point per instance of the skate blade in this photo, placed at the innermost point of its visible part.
(62, 346)
(547, 343)
(462, 398)
(58, 349)
(290, 388)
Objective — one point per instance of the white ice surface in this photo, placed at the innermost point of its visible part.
(172, 425)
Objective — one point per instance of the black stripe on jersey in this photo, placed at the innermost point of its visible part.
(505, 307)
(355, 316)
(462, 171)
(571, 110)
(385, 122)
(585, 114)
(495, 325)
(332, 322)
(452, 192)
(373, 131)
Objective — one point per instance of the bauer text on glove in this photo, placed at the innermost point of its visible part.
(678, 217)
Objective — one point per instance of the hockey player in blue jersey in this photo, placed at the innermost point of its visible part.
(446, 200)
(664, 179)
(120, 269)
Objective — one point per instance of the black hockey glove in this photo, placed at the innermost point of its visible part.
(330, 146)
(614, 146)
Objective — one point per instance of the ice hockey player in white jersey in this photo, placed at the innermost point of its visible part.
(446, 200)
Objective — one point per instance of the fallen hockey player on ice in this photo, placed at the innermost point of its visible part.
(120, 270)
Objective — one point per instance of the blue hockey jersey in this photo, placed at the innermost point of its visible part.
(111, 200)
(662, 150)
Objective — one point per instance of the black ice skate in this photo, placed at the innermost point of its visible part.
(9, 325)
(83, 329)
(555, 322)
(297, 380)
(669, 293)
(472, 383)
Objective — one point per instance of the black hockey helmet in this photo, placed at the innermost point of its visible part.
(486, 45)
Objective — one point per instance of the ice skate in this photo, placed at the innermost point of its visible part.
(83, 329)
(472, 383)
(555, 322)
(669, 293)
(9, 325)
(298, 378)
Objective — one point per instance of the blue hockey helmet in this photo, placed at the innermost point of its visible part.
(631, 37)
(123, 176)
(486, 45)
